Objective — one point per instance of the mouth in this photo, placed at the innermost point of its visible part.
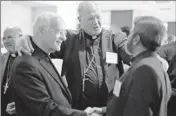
(58, 42)
(96, 27)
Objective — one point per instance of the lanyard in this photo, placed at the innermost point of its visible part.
(86, 70)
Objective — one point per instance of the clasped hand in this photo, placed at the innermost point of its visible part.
(95, 111)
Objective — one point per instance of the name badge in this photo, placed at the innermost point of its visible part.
(111, 58)
(117, 88)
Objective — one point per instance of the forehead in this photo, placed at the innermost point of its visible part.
(90, 10)
(57, 24)
(11, 32)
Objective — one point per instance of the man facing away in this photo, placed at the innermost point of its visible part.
(144, 90)
(38, 88)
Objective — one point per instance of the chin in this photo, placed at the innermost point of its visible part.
(97, 32)
(58, 49)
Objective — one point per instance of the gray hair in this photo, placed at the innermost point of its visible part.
(45, 21)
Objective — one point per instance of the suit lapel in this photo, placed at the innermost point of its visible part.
(106, 36)
(82, 54)
(53, 72)
(4, 60)
(106, 47)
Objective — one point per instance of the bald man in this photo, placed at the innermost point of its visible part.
(92, 59)
(10, 36)
(87, 62)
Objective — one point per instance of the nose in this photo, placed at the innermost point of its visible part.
(96, 21)
(62, 36)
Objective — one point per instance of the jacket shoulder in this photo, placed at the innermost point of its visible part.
(72, 32)
(25, 60)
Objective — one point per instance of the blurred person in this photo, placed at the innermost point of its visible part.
(10, 36)
(144, 90)
(126, 30)
(39, 90)
(3, 50)
(171, 39)
(168, 52)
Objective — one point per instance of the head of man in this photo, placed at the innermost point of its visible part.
(10, 36)
(89, 18)
(49, 31)
(147, 34)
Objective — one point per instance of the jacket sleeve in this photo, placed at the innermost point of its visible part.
(143, 92)
(29, 85)
(120, 40)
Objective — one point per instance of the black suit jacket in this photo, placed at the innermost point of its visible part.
(73, 54)
(145, 89)
(39, 89)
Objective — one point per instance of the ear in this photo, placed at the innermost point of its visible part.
(136, 40)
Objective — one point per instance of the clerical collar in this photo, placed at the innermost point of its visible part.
(14, 55)
(91, 37)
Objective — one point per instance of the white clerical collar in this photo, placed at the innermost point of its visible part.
(13, 55)
(94, 37)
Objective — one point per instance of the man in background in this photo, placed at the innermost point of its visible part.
(10, 36)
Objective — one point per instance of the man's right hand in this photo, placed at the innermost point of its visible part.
(24, 45)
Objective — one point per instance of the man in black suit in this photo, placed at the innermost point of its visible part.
(38, 88)
(10, 37)
(144, 90)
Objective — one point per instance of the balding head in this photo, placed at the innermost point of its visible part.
(12, 31)
(10, 36)
(89, 17)
(49, 31)
(86, 7)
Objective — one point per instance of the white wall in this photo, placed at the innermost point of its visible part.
(14, 14)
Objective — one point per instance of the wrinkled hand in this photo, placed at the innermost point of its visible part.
(24, 45)
(89, 110)
(11, 108)
(99, 110)
(95, 111)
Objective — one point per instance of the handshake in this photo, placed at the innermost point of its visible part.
(95, 111)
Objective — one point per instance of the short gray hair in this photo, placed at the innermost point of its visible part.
(44, 20)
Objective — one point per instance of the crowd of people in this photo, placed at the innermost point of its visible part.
(93, 67)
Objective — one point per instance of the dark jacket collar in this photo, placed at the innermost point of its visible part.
(142, 55)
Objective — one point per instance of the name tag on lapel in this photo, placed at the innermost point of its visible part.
(117, 88)
(111, 58)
